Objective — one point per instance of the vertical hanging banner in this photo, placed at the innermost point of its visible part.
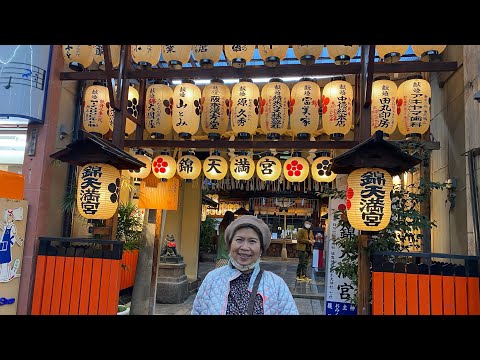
(13, 222)
(23, 79)
(337, 289)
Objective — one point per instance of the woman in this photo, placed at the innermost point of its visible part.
(222, 251)
(226, 290)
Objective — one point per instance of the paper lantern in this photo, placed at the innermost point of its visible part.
(78, 57)
(176, 55)
(144, 171)
(207, 55)
(391, 53)
(337, 103)
(186, 109)
(307, 54)
(383, 109)
(342, 54)
(272, 54)
(245, 108)
(322, 169)
(189, 167)
(413, 107)
(132, 105)
(304, 108)
(95, 111)
(146, 55)
(156, 194)
(274, 107)
(98, 190)
(215, 167)
(428, 52)
(368, 199)
(296, 169)
(215, 109)
(242, 167)
(239, 55)
(269, 168)
(158, 110)
(164, 167)
(114, 54)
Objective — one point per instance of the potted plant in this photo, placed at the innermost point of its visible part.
(123, 309)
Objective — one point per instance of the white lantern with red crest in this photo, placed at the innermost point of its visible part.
(187, 108)
(304, 108)
(164, 167)
(215, 109)
(245, 108)
(274, 108)
(158, 109)
(337, 112)
(296, 169)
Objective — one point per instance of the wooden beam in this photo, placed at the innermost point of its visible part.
(265, 71)
(142, 93)
(225, 144)
(110, 76)
(133, 118)
(366, 74)
(118, 137)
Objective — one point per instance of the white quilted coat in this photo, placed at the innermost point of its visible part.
(212, 296)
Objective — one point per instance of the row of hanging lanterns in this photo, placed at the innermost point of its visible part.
(79, 57)
(242, 167)
(186, 107)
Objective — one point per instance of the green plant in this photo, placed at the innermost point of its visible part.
(207, 233)
(129, 226)
(403, 233)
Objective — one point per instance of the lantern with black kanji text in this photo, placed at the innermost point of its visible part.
(189, 167)
(269, 168)
(176, 55)
(369, 205)
(413, 107)
(114, 54)
(304, 108)
(272, 54)
(239, 55)
(164, 167)
(337, 103)
(98, 190)
(296, 169)
(146, 55)
(342, 54)
(78, 57)
(158, 110)
(322, 169)
(144, 171)
(307, 54)
(391, 53)
(95, 111)
(384, 106)
(245, 108)
(186, 109)
(215, 109)
(215, 167)
(207, 55)
(242, 167)
(274, 108)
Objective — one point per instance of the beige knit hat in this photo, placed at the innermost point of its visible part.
(246, 221)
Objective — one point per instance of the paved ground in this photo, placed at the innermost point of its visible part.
(309, 297)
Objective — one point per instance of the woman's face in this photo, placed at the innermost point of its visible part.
(245, 248)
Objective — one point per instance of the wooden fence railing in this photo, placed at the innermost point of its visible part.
(73, 279)
(129, 266)
(413, 284)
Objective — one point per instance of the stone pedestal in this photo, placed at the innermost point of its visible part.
(172, 283)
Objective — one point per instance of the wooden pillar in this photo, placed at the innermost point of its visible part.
(160, 218)
(363, 274)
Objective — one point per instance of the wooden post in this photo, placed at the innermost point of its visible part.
(160, 219)
(363, 274)
(284, 243)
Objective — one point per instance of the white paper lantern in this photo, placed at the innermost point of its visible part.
(391, 53)
(239, 55)
(245, 108)
(242, 167)
(78, 57)
(176, 55)
(189, 167)
(322, 169)
(98, 191)
(307, 54)
(114, 54)
(164, 167)
(274, 107)
(132, 109)
(215, 167)
(186, 109)
(215, 109)
(304, 108)
(95, 111)
(146, 55)
(207, 55)
(296, 169)
(272, 54)
(428, 52)
(144, 171)
(269, 168)
(342, 54)
(384, 106)
(158, 110)
(337, 103)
